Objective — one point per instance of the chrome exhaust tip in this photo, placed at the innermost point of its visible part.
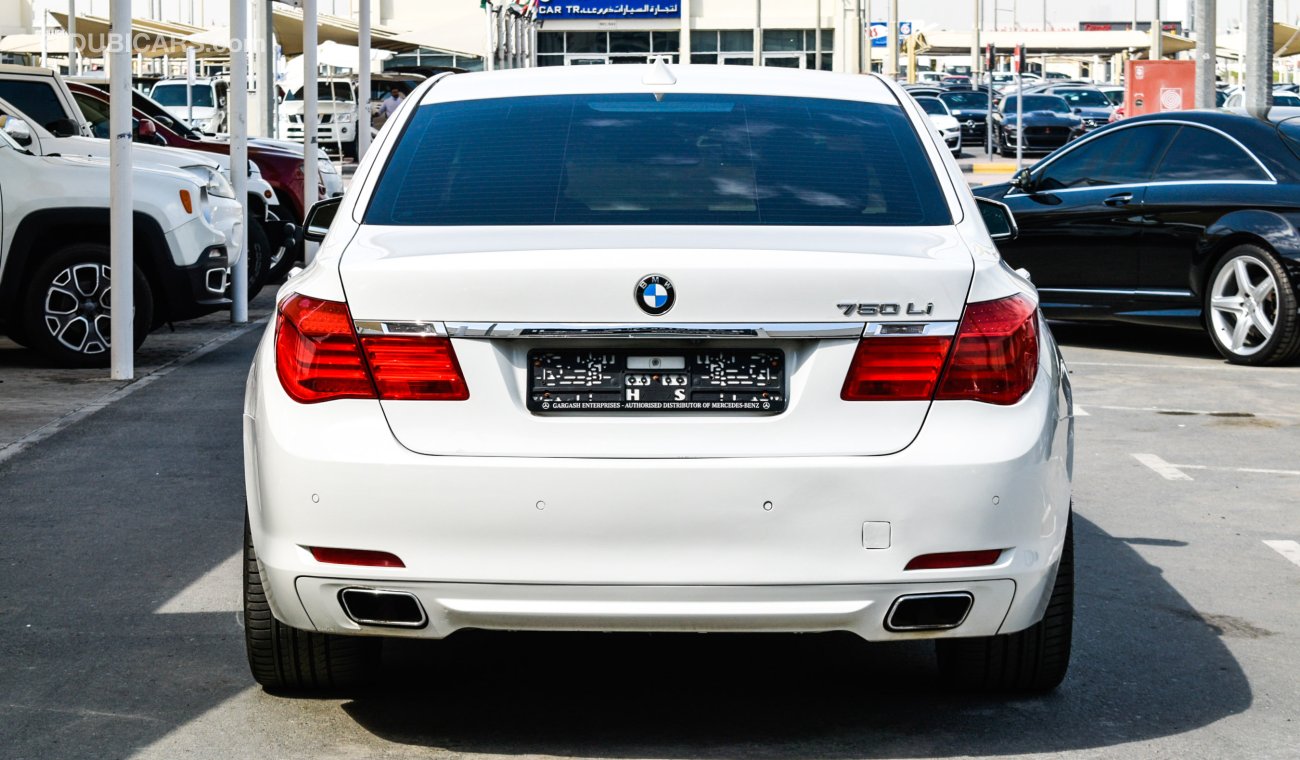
(929, 612)
(392, 609)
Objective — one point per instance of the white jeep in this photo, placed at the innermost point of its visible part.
(54, 255)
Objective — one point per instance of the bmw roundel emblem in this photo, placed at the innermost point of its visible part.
(654, 294)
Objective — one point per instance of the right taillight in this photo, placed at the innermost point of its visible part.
(993, 358)
(319, 358)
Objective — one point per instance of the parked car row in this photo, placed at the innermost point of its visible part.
(54, 275)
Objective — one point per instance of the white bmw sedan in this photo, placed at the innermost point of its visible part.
(659, 348)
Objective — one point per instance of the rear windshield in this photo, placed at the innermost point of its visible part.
(932, 106)
(637, 160)
(1083, 98)
(1037, 103)
(969, 99)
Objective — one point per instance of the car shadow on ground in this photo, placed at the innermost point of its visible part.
(1136, 339)
(1145, 665)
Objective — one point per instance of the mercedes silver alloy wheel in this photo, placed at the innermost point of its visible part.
(1243, 305)
(78, 310)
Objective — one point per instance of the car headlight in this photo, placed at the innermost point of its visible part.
(326, 167)
(343, 117)
(218, 186)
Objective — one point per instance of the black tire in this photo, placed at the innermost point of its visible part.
(1034, 660)
(278, 268)
(1280, 308)
(259, 258)
(80, 337)
(289, 660)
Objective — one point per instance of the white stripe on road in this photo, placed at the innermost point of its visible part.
(1161, 467)
(1252, 470)
(217, 591)
(1079, 412)
(1288, 549)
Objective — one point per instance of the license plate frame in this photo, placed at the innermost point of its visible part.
(730, 380)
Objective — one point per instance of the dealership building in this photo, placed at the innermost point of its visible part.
(783, 33)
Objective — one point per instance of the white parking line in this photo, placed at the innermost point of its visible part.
(1288, 549)
(1079, 411)
(1252, 470)
(1161, 467)
(218, 590)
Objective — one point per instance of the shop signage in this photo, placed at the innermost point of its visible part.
(607, 9)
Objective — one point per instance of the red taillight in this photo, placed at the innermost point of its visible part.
(318, 358)
(994, 358)
(949, 560)
(316, 352)
(895, 369)
(364, 557)
(414, 368)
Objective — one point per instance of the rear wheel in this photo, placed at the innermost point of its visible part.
(67, 310)
(259, 258)
(287, 659)
(1032, 660)
(1251, 308)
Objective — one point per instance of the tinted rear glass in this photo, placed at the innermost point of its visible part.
(632, 159)
(970, 99)
(36, 99)
(174, 95)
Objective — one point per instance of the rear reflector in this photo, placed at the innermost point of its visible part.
(949, 560)
(318, 358)
(993, 358)
(363, 557)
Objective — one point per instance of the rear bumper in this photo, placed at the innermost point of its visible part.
(772, 544)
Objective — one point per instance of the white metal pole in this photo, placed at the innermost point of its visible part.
(238, 121)
(866, 13)
(891, 41)
(1157, 36)
(489, 50)
(363, 80)
(1020, 118)
(45, 35)
(121, 202)
(1259, 56)
(1205, 52)
(189, 86)
(72, 38)
(309, 137)
(758, 32)
(975, 47)
(817, 57)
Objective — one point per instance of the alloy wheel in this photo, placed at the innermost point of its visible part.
(77, 308)
(1243, 305)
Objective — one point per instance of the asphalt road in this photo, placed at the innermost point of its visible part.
(120, 636)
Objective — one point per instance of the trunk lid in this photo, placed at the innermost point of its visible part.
(587, 276)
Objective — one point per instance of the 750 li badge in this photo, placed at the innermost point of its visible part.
(884, 309)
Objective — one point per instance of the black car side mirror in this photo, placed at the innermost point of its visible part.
(1023, 180)
(998, 218)
(63, 128)
(319, 219)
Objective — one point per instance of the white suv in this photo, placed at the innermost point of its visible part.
(659, 349)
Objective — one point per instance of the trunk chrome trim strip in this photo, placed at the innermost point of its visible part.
(409, 329)
(681, 330)
(909, 329)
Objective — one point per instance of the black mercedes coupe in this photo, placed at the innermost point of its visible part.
(1183, 219)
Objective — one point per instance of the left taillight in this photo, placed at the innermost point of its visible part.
(319, 358)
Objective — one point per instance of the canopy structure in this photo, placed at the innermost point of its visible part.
(30, 44)
(288, 31)
(1056, 43)
(151, 39)
(1286, 40)
(458, 31)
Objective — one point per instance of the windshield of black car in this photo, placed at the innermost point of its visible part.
(340, 91)
(1050, 103)
(965, 99)
(173, 94)
(1083, 98)
(646, 159)
(932, 106)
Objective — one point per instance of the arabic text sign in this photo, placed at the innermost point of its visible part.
(607, 9)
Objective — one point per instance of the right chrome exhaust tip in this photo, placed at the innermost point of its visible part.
(373, 606)
(929, 612)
